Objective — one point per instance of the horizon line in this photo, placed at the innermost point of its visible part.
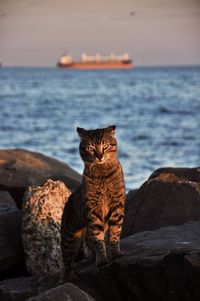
(134, 66)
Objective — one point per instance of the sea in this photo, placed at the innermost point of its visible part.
(156, 111)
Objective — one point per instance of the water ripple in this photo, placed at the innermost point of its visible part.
(156, 111)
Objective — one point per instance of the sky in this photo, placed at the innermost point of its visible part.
(154, 32)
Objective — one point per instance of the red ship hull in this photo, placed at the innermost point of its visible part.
(96, 66)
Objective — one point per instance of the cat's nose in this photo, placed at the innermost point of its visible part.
(99, 156)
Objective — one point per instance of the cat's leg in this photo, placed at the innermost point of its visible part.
(114, 231)
(88, 246)
(100, 252)
(70, 242)
(97, 233)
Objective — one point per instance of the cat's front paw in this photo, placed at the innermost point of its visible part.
(101, 261)
(114, 251)
(115, 254)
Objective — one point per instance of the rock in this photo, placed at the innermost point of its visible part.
(23, 288)
(44, 283)
(188, 174)
(21, 168)
(65, 292)
(41, 219)
(169, 197)
(157, 265)
(6, 201)
(11, 250)
(18, 289)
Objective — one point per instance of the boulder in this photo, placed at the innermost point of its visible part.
(11, 250)
(41, 220)
(18, 289)
(21, 168)
(187, 174)
(171, 196)
(6, 202)
(65, 292)
(157, 265)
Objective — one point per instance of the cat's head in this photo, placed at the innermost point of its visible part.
(98, 146)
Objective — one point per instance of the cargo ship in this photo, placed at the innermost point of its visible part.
(97, 61)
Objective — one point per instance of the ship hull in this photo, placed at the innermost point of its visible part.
(96, 66)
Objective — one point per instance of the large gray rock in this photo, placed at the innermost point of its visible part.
(157, 265)
(171, 196)
(21, 168)
(18, 289)
(41, 220)
(65, 292)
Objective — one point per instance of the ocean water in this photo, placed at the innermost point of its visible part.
(156, 110)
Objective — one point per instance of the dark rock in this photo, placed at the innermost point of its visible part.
(44, 283)
(157, 265)
(21, 168)
(187, 174)
(11, 250)
(18, 289)
(41, 220)
(6, 201)
(65, 292)
(169, 197)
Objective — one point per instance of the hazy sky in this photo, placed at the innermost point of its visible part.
(154, 32)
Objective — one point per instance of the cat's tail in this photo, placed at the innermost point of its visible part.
(70, 242)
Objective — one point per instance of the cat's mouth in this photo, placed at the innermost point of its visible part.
(100, 161)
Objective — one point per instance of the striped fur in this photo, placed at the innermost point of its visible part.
(96, 208)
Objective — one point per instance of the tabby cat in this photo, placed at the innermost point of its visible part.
(97, 206)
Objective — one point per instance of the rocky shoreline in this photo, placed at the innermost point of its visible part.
(160, 238)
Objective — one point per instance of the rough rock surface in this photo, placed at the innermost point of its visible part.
(157, 265)
(21, 168)
(171, 196)
(42, 212)
(65, 292)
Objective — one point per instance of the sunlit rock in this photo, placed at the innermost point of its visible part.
(41, 219)
(21, 168)
(171, 196)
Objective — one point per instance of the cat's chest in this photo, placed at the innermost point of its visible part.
(104, 184)
(103, 190)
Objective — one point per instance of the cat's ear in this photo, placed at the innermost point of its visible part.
(111, 129)
(81, 132)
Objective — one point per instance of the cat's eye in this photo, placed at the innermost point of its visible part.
(90, 148)
(106, 146)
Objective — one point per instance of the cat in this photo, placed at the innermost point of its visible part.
(96, 208)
